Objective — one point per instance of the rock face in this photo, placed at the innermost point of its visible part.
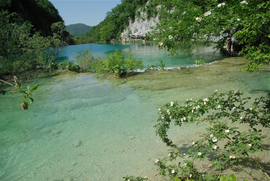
(140, 27)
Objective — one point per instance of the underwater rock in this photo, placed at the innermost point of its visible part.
(77, 143)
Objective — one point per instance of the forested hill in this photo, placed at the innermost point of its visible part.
(115, 22)
(41, 13)
(78, 29)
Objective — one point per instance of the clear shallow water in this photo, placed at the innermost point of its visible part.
(148, 52)
(84, 128)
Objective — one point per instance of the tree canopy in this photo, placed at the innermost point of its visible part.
(41, 13)
(185, 24)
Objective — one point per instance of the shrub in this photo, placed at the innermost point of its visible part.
(117, 64)
(84, 59)
(231, 144)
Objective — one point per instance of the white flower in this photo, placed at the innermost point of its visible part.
(192, 110)
(170, 117)
(198, 19)
(233, 108)
(251, 108)
(193, 143)
(215, 91)
(145, 177)
(221, 4)
(184, 154)
(241, 118)
(211, 135)
(160, 43)
(157, 160)
(128, 179)
(250, 145)
(190, 175)
(162, 117)
(236, 91)
(232, 157)
(238, 19)
(184, 12)
(198, 107)
(169, 154)
(172, 103)
(168, 111)
(170, 37)
(214, 147)
(219, 106)
(244, 2)
(204, 103)
(227, 131)
(214, 139)
(206, 100)
(207, 13)
(199, 153)
(185, 164)
(173, 171)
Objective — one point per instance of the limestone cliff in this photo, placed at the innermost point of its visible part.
(140, 27)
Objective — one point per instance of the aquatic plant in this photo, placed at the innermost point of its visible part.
(199, 62)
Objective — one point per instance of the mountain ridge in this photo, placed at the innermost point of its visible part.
(78, 28)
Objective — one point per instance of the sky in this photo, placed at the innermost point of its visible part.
(89, 12)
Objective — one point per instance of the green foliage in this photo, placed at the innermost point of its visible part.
(53, 65)
(186, 24)
(63, 65)
(41, 14)
(131, 178)
(219, 112)
(22, 49)
(73, 67)
(118, 64)
(160, 66)
(26, 94)
(84, 58)
(230, 178)
(200, 62)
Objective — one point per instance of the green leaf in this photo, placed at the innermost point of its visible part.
(31, 99)
(177, 179)
(20, 91)
(223, 178)
(34, 88)
(231, 178)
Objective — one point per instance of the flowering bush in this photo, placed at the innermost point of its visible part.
(226, 143)
(187, 24)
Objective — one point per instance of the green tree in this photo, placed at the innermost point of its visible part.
(21, 48)
(185, 24)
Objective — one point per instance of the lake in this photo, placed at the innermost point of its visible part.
(81, 127)
(148, 52)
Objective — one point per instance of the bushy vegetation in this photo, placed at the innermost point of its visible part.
(186, 24)
(25, 49)
(117, 63)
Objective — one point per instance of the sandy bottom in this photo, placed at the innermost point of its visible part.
(85, 128)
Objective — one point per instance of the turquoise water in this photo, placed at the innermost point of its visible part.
(85, 128)
(148, 52)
